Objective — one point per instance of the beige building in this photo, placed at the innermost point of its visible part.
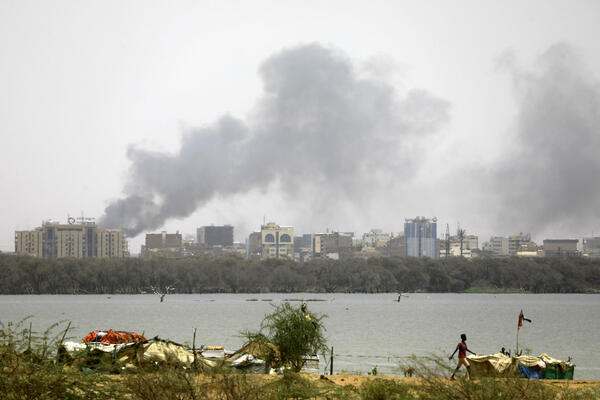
(332, 245)
(497, 245)
(77, 240)
(71, 241)
(516, 241)
(29, 242)
(560, 247)
(277, 241)
(112, 244)
(168, 245)
(469, 243)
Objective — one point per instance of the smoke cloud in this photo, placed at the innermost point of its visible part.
(320, 131)
(549, 181)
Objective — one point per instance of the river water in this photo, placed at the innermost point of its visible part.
(366, 330)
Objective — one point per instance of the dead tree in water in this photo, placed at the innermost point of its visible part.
(160, 293)
(400, 296)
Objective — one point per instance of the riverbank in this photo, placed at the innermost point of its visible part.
(349, 387)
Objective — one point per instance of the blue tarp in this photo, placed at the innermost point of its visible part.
(531, 373)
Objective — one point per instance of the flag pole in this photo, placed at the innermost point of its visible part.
(517, 350)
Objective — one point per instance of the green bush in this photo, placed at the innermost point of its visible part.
(294, 333)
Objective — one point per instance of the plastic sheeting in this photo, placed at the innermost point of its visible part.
(501, 364)
(491, 364)
(154, 351)
(159, 351)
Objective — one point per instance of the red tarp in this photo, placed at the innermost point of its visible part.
(114, 337)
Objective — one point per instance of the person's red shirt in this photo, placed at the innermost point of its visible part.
(462, 349)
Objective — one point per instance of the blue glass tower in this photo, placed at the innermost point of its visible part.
(421, 237)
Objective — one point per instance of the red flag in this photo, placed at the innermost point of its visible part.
(522, 318)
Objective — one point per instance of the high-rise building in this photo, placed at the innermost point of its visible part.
(304, 242)
(111, 243)
(303, 250)
(277, 241)
(29, 242)
(169, 245)
(215, 235)
(332, 245)
(420, 236)
(254, 246)
(79, 240)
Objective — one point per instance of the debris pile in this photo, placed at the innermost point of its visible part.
(129, 351)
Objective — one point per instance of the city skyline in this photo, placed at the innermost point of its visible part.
(81, 237)
(362, 114)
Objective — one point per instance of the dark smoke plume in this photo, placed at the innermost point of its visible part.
(320, 130)
(550, 180)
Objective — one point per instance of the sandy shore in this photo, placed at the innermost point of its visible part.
(359, 380)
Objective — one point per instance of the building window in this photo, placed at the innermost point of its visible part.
(269, 238)
(285, 238)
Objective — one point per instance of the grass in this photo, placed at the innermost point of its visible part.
(29, 368)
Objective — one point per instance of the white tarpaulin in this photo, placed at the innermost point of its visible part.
(501, 364)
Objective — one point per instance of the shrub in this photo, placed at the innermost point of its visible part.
(294, 333)
(166, 384)
(28, 369)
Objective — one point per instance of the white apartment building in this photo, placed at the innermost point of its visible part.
(375, 238)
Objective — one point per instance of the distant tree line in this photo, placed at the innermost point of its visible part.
(28, 275)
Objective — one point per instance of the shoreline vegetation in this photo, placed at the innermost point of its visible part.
(231, 274)
(31, 367)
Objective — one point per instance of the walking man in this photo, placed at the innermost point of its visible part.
(462, 356)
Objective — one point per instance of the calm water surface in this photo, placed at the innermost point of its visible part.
(364, 329)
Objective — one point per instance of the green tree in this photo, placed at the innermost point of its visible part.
(294, 332)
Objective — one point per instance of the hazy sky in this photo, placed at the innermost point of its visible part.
(347, 115)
